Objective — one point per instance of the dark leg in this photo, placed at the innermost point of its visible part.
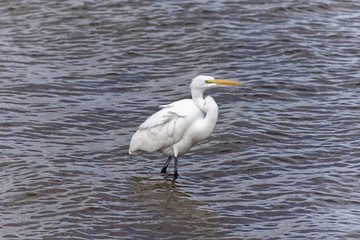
(163, 170)
(176, 168)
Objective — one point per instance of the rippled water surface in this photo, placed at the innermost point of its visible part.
(78, 77)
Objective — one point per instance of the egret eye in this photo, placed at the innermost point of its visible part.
(208, 81)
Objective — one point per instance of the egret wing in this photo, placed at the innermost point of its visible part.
(164, 128)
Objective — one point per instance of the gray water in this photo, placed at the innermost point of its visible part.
(77, 78)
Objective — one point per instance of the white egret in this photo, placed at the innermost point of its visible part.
(180, 125)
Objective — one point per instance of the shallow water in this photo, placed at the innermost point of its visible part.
(78, 77)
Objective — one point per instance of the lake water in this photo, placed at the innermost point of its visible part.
(77, 78)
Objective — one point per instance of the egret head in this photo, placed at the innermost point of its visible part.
(202, 82)
(207, 82)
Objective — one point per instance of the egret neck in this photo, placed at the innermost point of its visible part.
(197, 97)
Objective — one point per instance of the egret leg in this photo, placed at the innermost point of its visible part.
(176, 168)
(163, 170)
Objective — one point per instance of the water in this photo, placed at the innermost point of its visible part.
(78, 77)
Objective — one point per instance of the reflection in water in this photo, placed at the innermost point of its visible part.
(177, 215)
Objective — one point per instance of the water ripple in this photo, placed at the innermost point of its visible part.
(78, 77)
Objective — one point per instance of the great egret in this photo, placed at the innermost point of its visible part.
(180, 125)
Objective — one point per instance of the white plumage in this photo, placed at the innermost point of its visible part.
(180, 125)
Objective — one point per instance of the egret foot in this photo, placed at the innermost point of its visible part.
(176, 168)
(163, 170)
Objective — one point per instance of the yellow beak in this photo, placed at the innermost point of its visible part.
(224, 82)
